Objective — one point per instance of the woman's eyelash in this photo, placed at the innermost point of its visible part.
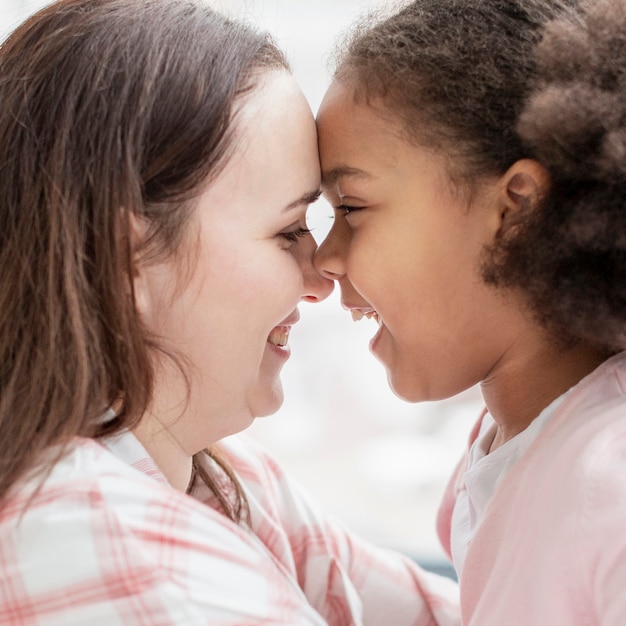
(294, 235)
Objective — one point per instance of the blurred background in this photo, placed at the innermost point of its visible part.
(374, 461)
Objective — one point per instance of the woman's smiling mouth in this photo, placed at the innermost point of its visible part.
(279, 336)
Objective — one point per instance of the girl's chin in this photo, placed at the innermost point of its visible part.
(400, 388)
(408, 395)
(404, 381)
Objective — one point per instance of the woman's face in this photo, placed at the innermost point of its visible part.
(407, 252)
(226, 309)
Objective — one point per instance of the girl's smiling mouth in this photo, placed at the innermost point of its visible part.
(359, 314)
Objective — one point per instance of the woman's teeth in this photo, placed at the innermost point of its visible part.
(359, 315)
(279, 337)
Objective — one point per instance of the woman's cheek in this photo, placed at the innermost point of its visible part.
(276, 283)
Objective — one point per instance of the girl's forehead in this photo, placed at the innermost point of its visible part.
(352, 133)
(359, 113)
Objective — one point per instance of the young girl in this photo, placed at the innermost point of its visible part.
(475, 154)
(156, 163)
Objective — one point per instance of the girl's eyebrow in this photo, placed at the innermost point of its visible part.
(330, 177)
(308, 198)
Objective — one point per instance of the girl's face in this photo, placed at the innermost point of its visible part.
(227, 307)
(405, 248)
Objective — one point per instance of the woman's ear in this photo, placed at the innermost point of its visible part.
(522, 187)
(138, 275)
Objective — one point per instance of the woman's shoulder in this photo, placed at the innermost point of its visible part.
(100, 538)
(94, 503)
(74, 534)
(271, 491)
(254, 465)
(90, 490)
(82, 466)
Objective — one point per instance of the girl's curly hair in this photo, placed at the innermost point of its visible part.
(494, 81)
(571, 255)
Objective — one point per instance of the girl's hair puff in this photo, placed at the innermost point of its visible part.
(570, 257)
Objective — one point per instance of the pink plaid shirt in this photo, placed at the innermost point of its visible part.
(107, 541)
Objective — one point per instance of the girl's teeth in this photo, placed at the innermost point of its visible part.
(279, 337)
(359, 315)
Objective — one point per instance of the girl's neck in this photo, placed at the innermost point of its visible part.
(529, 377)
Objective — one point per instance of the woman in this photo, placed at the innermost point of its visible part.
(156, 163)
(475, 157)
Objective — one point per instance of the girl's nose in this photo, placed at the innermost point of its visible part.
(329, 257)
(317, 287)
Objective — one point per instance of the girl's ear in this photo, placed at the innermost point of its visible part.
(522, 187)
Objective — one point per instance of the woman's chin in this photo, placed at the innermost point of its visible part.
(268, 399)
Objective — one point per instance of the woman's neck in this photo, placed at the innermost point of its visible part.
(165, 451)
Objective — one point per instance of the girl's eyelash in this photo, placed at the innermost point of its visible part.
(347, 209)
(294, 235)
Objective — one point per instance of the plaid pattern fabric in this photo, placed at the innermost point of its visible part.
(106, 541)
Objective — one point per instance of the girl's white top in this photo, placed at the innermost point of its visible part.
(483, 475)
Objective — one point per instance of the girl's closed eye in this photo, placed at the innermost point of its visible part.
(347, 209)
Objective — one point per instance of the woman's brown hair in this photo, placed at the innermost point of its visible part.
(490, 82)
(109, 108)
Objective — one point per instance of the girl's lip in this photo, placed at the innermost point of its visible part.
(359, 312)
(374, 340)
(354, 306)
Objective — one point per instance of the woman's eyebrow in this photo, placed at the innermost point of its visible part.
(308, 198)
(330, 177)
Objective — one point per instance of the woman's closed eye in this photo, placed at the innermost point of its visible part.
(295, 234)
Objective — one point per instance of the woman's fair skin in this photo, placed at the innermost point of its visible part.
(406, 247)
(226, 304)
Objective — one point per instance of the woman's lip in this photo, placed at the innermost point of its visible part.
(279, 335)
(293, 319)
(282, 351)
